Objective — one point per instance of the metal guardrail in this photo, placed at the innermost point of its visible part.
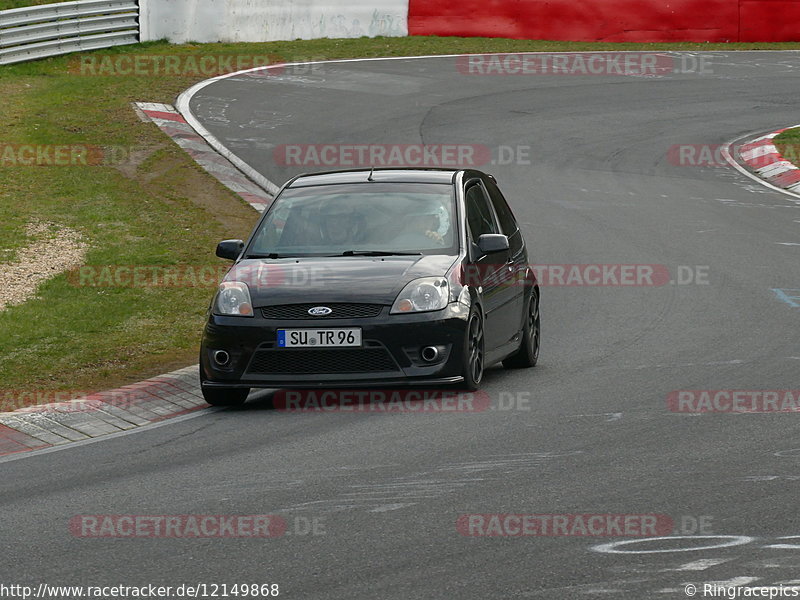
(51, 29)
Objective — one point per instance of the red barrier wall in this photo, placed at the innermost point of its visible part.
(610, 20)
(769, 20)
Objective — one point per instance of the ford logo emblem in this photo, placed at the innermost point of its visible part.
(320, 311)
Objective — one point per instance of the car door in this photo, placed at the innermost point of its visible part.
(492, 269)
(518, 254)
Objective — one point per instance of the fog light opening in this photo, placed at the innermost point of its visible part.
(430, 354)
(222, 358)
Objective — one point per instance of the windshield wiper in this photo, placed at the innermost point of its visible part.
(272, 255)
(378, 253)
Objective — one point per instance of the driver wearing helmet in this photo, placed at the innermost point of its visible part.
(338, 224)
(428, 220)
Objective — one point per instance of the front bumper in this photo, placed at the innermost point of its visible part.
(389, 355)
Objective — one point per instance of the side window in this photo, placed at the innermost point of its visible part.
(507, 222)
(479, 215)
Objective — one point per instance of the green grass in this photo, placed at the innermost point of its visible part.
(7, 4)
(163, 211)
(788, 144)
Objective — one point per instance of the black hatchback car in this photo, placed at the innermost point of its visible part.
(372, 278)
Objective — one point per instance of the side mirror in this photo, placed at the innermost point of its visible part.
(230, 249)
(492, 242)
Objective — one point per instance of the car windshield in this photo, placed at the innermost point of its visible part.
(359, 219)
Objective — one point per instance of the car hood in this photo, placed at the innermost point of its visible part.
(368, 279)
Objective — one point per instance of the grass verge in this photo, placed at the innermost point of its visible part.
(159, 209)
(788, 144)
(8, 4)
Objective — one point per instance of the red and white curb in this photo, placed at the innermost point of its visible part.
(128, 407)
(762, 157)
(182, 133)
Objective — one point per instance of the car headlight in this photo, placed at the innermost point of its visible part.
(422, 295)
(233, 298)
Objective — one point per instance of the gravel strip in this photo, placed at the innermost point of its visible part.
(54, 250)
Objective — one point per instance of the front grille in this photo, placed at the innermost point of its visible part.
(339, 311)
(310, 361)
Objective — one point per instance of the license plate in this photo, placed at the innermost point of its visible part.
(319, 338)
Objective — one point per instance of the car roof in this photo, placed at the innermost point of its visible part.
(383, 175)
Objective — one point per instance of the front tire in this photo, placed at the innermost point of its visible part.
(528, 353)
(474, 356)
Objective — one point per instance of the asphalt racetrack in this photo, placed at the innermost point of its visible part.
(372, 501)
